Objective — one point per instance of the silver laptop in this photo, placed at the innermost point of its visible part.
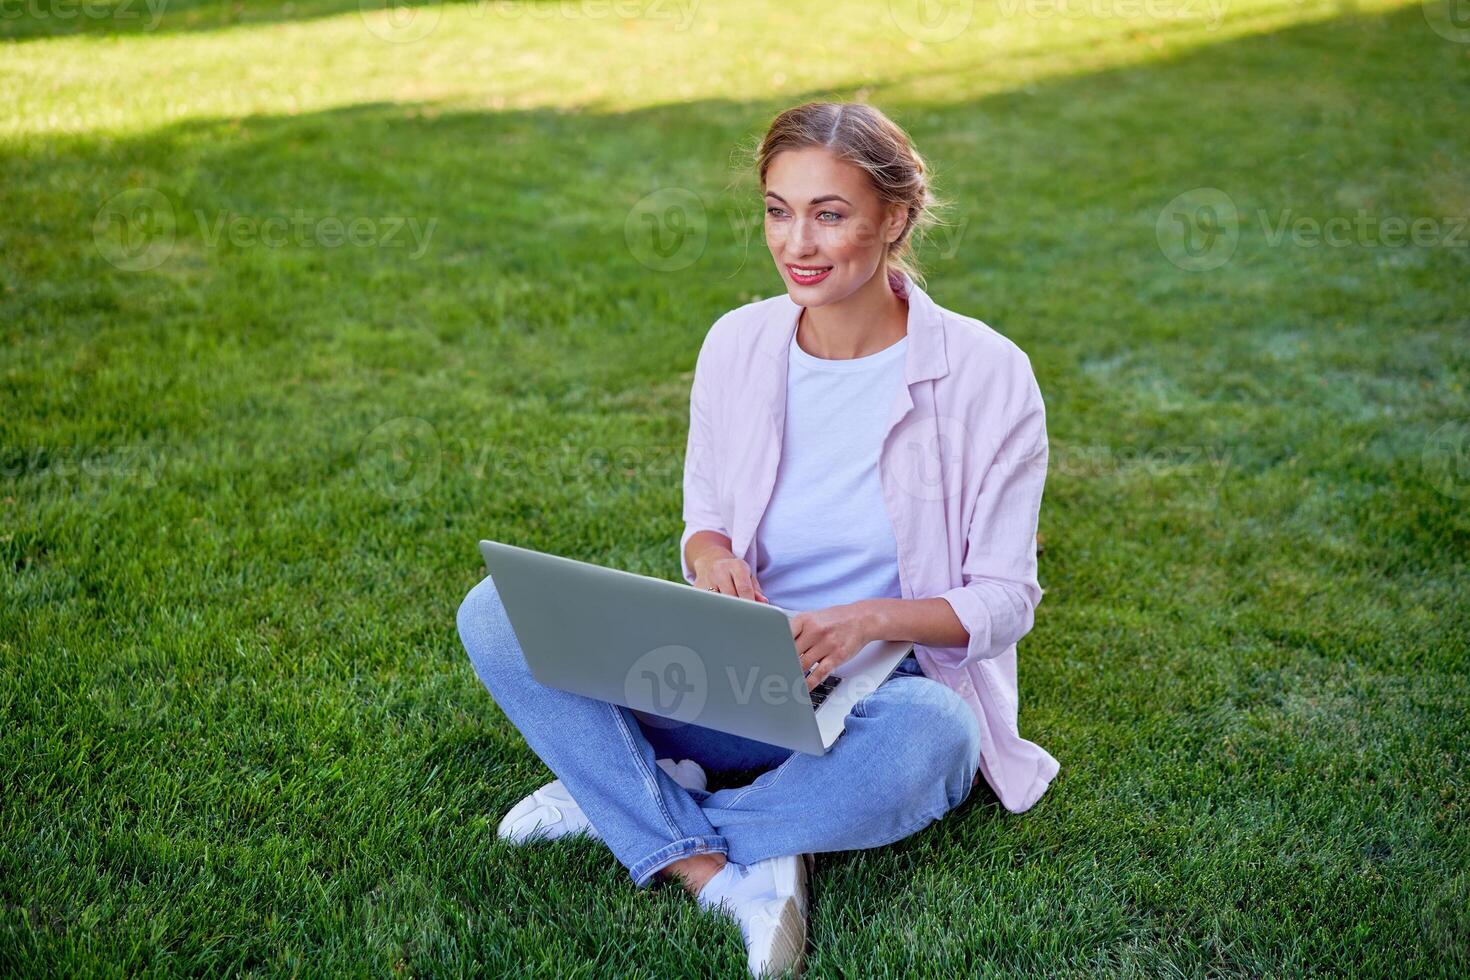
(674, 654)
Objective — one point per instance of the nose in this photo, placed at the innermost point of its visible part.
(802, 240)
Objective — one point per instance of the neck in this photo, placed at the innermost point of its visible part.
(867, 321)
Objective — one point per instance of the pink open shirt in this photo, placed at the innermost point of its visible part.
(962, 468)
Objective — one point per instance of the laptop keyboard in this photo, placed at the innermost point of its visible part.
(820, 692)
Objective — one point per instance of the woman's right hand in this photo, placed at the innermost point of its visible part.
(730, 576)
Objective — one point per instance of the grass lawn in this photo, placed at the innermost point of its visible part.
(297, 305)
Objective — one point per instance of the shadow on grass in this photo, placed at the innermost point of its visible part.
(515, 224)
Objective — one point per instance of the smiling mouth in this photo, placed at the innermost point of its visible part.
(808, 274)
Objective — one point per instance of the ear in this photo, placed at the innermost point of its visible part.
(898, 213)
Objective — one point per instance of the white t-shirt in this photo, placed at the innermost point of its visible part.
(825, 538)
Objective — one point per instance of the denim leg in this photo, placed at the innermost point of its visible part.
(717, 750)
(712, 749)
(597, 749)
(909, 755)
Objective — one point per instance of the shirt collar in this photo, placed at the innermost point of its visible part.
(925, 358)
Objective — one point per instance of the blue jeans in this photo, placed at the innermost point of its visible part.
(908, 756)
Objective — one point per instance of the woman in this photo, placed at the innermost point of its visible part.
(865, 458)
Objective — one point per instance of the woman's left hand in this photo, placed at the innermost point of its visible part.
(828, 638)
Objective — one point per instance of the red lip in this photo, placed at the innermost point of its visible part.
(807, 280)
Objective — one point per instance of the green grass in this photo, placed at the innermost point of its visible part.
(240, 734)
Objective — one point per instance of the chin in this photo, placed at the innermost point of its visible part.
(828, 290)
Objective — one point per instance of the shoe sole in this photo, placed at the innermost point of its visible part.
(806, 866)
(542, 836)
(788, 945)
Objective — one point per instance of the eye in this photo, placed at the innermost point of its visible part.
(772, 209)
(833, 214)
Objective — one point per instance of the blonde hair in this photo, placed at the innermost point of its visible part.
(863, 136)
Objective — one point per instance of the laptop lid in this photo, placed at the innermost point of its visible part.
(675, 654)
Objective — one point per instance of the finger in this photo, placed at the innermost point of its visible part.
(742, 586)
(818, 673)
(810, 655)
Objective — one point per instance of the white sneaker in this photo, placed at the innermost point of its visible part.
(769, 900)
(550, 812)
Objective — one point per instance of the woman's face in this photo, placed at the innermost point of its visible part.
(823, 218)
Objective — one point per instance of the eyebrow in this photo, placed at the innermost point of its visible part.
(815, 200)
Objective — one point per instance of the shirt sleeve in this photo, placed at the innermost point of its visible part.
(997, 602)
(701, 496)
